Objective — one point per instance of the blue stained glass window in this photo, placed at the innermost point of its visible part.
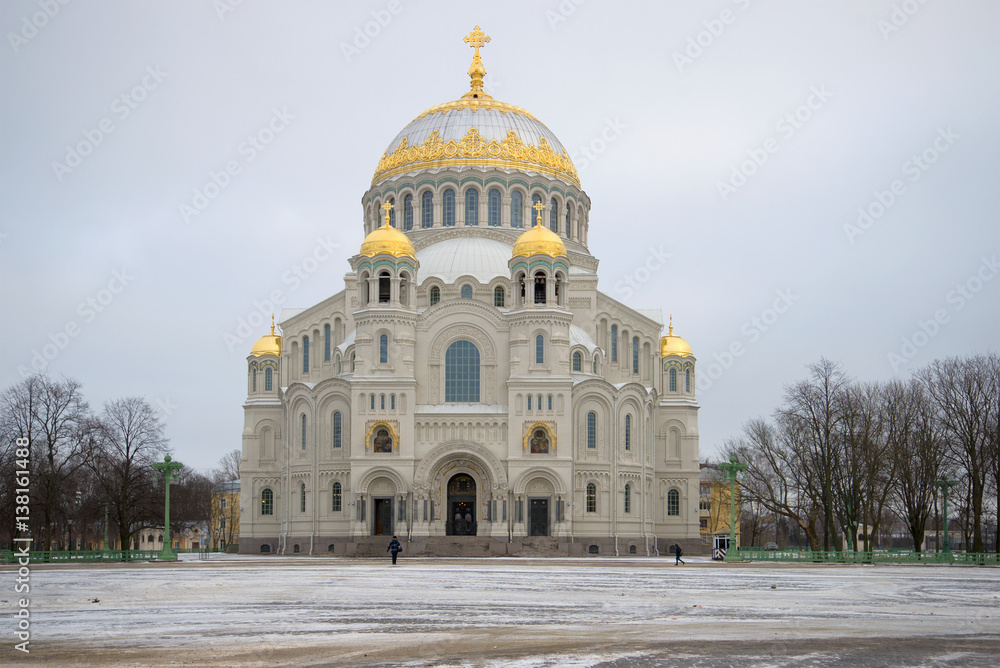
(466, 292)
(448, 204)
(435, 295)
(338, 425)
(539, 349)
(577, 361)
(303, 431)
(529, 402)
(635, 354)
(392, 212)
(494, 207)
(427, 209)
(554, 216)
(568, 221)
(461, 372)
(535, 199)
(498, 297)
(408, 212)
(614, 343)
(372, 402)
(687, 380)
(326, 343)
(673, 380)
(254, 380)
(268, 379)
(383, 349)
(591, 430)
(471, 207)
(628, 431)
(392, 401)
(305, 354)
(516, 209)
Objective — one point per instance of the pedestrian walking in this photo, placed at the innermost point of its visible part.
(677, 553)
(395, 548)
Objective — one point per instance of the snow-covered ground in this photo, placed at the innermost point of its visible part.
(233, 610)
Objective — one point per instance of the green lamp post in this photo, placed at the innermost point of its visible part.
(945, 485)
(169, 470)
(732, 468)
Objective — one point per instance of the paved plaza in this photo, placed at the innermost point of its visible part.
(266, 611)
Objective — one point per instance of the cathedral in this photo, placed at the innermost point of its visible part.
(470, 390)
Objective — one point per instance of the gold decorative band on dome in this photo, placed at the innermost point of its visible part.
(472, 149)
(474, 105)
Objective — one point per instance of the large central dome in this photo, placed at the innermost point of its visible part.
(476, 130)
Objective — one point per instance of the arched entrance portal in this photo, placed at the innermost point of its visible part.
(462, 505)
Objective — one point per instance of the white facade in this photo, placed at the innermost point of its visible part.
(380, 420)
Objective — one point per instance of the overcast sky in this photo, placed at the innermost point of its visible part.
(740, 138)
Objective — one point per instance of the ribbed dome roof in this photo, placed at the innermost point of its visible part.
(449, 260)
(387, 239)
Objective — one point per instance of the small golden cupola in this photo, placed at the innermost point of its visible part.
(388, 240)
(269, 344)
(539, 240)
(674, 345)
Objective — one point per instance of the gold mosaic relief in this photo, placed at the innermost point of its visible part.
(472, 149)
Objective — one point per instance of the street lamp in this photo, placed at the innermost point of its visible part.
(169, 471)
(945, 485)
(731, 469)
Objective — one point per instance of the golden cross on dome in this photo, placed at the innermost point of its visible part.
(539, 207)
(387, 207)
(476, 39)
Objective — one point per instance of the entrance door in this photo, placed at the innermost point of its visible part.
(462, 506)
(383, 518)
(538, 517)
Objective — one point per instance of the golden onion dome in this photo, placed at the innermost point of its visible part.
(539, 240)
(269, 344)
(476, 130)
(387, 239)
(674, 345)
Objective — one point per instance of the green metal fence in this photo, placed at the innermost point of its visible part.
(57, 556)
(872, 557)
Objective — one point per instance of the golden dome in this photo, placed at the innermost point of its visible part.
(269, 344)
(674, 345)
(387, 239)
(539, 240)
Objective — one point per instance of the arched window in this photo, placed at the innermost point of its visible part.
(302, 498)
(673, 502)
(466, 292)
(383, 349)
(594, 366)
(326, 343)
(427, 209)
(354, 360)
(461, 372)
(338, 426)
(404, 289)
(303, 431)
(408, 213)
(340, 366)
(471, 207)
(539, 288)
(448, 205)
(591, 497)
(381, 402)
(554, 216)
(628, 431)
(254, 375)
(614, 343)
(539, 402)
(268, 379)
(392, 212)
(539, 349)
(383, 288)
(498, 297)
(305, 354)
(493, 201)
(392, 401)
(591, 430)
(550, 401)
(535, 215)
(371, 402)
(435, 295)
(568, 220)
(628, 498)
(577, 361)
(266, 502)
(529, 402)
(338, 497)
(687, 380)
(635, 354)
(673, 380)
(516, 209)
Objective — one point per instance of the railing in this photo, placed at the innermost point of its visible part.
(871, 557)
(58, 556)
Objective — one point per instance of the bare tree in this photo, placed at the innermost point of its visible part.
(229, 466)
(965, 396)
(226, 510)
(131, 438)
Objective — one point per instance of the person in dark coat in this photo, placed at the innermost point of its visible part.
(677, 553)
(395, 548)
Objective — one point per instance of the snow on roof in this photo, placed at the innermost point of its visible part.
(579, 337)
(346, 343)
(449, 260)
